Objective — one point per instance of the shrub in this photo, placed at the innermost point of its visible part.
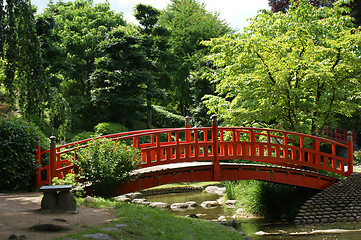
(83, 135)
(357, 157)
(105, 164)
(165, 119)
(105, 128)
(70, 179)
(17, 154)
(271, 200)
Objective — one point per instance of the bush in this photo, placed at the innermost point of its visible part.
(357, 157)
(165, 119)
(106, 164)
(17, 154)
(70, 179)
(84, 135)
(270, 200)
(106, 128)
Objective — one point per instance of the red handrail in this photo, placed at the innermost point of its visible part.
(217, 144)
(337, 134)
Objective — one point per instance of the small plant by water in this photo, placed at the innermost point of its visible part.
(270, 200)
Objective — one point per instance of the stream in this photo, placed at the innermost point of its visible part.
(259, 229)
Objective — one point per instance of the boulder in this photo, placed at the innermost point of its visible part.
(192, 204)
(159, 205)
(123, 198)
(179, 206)
(216, 190)
(209, 204)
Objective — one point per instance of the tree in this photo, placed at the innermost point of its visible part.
(154, 40)
(283, 5)
(298, 70)
(23, 71)
(190, 23)
(118, 81)
(80, 26)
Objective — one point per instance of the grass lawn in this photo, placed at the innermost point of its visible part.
(149, 223)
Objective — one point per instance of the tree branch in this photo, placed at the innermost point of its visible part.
(268, 70)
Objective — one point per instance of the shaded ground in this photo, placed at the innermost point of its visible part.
(19, 211)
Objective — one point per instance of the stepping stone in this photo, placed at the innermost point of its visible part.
(100, 236)
(121, 225)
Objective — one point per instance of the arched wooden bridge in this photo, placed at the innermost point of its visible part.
(218, 154)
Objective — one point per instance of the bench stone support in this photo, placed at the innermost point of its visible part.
(58, 198)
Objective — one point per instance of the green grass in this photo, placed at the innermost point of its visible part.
(149, 223)
(270, 200)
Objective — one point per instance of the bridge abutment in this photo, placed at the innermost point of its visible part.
(340, 202)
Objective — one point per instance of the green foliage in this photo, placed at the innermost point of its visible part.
(165, 119)
(71, 33)
(357, 157)
(106, 128)
(230, 189)
(70, 179)
(83, 135)
(270, 200)
(17, 154)
(106, 164)
(118, 80)
(23, 75)
(298, 70)
(190, 23)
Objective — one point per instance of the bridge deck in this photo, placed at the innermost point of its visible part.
(203, 171)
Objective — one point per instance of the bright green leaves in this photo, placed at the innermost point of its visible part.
(297, 69)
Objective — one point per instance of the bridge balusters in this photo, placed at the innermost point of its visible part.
(284, 147)
(317, 160)
(234, 146)
(196, 146)
(268, 136)
(205, 146)
(177, 147)
(221, 140)
(301, 152)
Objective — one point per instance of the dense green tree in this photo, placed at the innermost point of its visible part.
(23, 70)
(80, 26)
(283, 5)
(154, 40)
(298, 69)
(118, 80)
(190, 23)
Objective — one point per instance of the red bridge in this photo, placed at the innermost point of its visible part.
(218, 154)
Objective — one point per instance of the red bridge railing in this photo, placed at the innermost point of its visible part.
(215, 144)
(337, 134)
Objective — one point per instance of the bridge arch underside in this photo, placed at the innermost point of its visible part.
(204, 172)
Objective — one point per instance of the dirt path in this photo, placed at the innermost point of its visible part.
(19, 211)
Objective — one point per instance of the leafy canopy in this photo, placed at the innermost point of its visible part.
(299, 69)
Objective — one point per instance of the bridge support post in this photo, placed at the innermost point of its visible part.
(188, 125)
(349, 153)
(52, 160)
(216, 166)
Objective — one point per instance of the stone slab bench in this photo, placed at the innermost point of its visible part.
(58, 198)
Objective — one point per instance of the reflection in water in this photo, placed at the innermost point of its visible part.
(251, 226)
